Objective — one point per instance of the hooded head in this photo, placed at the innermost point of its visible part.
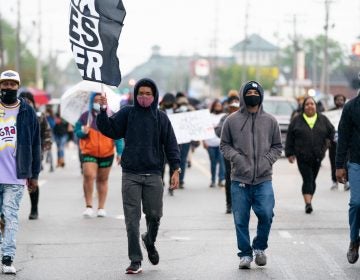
(94, 104)
(253, 100)
(29, 97)
(167, 101)
(144, 99)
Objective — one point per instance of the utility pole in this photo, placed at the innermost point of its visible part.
(295, 56)
(244, 66)
(213, 53)
(18, 47)
(324, 81)
(2, 62)
(39, 77)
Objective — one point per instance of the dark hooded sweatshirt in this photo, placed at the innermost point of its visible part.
(251, 142)
(147, 132)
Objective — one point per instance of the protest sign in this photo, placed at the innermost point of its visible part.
(194, 126)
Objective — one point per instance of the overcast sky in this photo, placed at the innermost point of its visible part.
(189, 26)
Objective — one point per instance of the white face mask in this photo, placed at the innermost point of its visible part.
(96, 107)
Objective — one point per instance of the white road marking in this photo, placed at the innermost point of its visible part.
(42, 182)
(285, 234)
(122, 217)
(201, 168)
(180, 238)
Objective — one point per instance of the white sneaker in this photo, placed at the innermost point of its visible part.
(88, 213)
(101, 213)
(245, 262)
(8, 269)
(260, 257)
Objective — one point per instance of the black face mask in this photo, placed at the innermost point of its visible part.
(8, 96)
(252, 100)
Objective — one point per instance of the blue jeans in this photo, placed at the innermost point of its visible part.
(354, 210)
(60, 144)
(184, 151)
(215, 159)
(10, 197)
(261, 199)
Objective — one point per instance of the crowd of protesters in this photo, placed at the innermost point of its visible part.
(245, 145)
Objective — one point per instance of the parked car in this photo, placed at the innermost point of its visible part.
(281, 108)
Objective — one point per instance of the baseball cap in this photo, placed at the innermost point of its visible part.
(10, 75)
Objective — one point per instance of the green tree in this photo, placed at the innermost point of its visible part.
(27, 60)
(230, 77)
(313, 49)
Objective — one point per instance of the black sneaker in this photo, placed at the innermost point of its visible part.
(33, 215)
(153, 254)
(353, 252)
(308, 208)
(134, 268)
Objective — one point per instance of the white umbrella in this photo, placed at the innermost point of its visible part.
(75, 100)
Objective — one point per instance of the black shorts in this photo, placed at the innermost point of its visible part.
(104, 162)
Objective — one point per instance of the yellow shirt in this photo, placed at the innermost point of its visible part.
(310, 120)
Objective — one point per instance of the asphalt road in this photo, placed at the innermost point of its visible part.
(196, 238)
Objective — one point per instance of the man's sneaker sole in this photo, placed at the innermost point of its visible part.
(247, 266)
(133, 271)
(8, 270)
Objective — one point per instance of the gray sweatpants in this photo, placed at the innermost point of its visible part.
(148, 189)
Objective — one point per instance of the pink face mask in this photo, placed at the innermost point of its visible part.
(145, 101)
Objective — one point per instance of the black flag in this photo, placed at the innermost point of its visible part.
(94, 30)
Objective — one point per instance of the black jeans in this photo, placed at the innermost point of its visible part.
(309, 170)
(332, 155)
(148, 190)
(227, 182)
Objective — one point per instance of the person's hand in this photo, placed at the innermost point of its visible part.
(341, 175)
(118, 160)
(205, 145)
(174, 182)
(291, 159)
(85, 129)
(32, 185)
(47, 146)
(103, 101)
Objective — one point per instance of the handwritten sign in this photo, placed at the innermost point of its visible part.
(194, 126)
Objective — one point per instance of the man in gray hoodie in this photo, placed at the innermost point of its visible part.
(251, 141)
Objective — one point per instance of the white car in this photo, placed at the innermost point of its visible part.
(281, 108)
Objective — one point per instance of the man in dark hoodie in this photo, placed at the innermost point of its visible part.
(149, 137)
(348, 153)
(251, 141)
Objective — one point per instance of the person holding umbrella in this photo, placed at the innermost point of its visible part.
(97, 155)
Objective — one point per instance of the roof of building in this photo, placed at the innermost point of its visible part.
(254, 43)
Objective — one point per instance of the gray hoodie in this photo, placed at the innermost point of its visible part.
(251, 142)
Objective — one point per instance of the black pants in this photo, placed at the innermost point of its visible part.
(227, 182)
(309, 170)
(332, 155)
(148, 190)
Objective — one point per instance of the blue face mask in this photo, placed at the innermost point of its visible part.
(96, 107)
